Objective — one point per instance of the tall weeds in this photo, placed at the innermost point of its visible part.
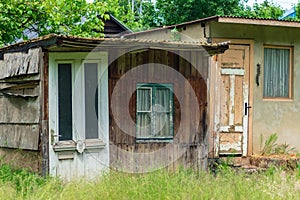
(183, 184)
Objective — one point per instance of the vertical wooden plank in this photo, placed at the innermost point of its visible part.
(193, 61)
(201, 65)
(151, 63)
(176, 60)
(187, 57)
(44, 70)
(225, 99)
(181, 63)
(186, 108)
(192, 115)
(231, 100)
(238, 101)
(164, 61)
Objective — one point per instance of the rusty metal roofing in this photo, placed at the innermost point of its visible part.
(229, 19)
(259, 21)
(55, 42)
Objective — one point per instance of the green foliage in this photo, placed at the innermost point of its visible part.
(270, 147)
(182, 184)
(283, 149)
(267, 9)
(15, 16)
(175, 35)
(51, 16)
(66, 17)
(297, 8)
(22, 181)
(178, 11)
(167, 12)
(122, 10)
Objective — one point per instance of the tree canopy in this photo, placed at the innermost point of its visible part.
(266, 9)
(74, 17)
(78, 17)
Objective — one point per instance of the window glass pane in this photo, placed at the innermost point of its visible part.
(144, 99)
(162, 99)
(154, 112)
(163, 125)
(143, 125)
(276, 72)
(65, 101)
(91, 100)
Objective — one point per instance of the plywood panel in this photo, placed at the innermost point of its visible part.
(231, 143)
(233, 58)
(19, 136)
(16, 64)
(19, 110)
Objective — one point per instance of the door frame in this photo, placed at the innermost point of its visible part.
(75, 152)
(213, 135)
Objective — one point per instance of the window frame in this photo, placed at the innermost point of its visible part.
(152, 87)
(290, 76)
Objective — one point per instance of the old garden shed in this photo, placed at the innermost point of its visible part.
(254, 87)
(74, 106)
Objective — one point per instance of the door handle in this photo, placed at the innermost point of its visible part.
(246, 108)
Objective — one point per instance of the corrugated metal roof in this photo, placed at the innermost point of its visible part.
(229, 19)
(54, 42)
(259, 21)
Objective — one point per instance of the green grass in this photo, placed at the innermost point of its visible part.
(184, 184)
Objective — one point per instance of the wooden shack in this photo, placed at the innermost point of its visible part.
(74, 107)
(254, 89)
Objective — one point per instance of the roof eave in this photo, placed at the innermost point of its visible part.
(259, 21)
(55, 42)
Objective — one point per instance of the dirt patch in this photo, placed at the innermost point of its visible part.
(21, 159)
(282, 161)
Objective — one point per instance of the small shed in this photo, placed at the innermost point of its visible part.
(254, 88)
(74, 107)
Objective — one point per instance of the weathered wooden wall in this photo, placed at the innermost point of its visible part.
(20, 104)
(189, 145)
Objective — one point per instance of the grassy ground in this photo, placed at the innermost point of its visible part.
(227, 184)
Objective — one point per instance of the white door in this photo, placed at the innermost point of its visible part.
(78, 115)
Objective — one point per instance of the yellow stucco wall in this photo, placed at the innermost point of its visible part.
(192, 32)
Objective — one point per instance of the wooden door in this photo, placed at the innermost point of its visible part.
(234, 94)
(78, 115)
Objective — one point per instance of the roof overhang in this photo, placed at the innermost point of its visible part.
(258, 21)
(228, 19)
(62, 43)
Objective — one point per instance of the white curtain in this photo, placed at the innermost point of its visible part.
(276, 72)
(162, 112)
(143, 112)
(154, 115)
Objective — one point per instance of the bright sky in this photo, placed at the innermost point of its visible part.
(285, 4)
